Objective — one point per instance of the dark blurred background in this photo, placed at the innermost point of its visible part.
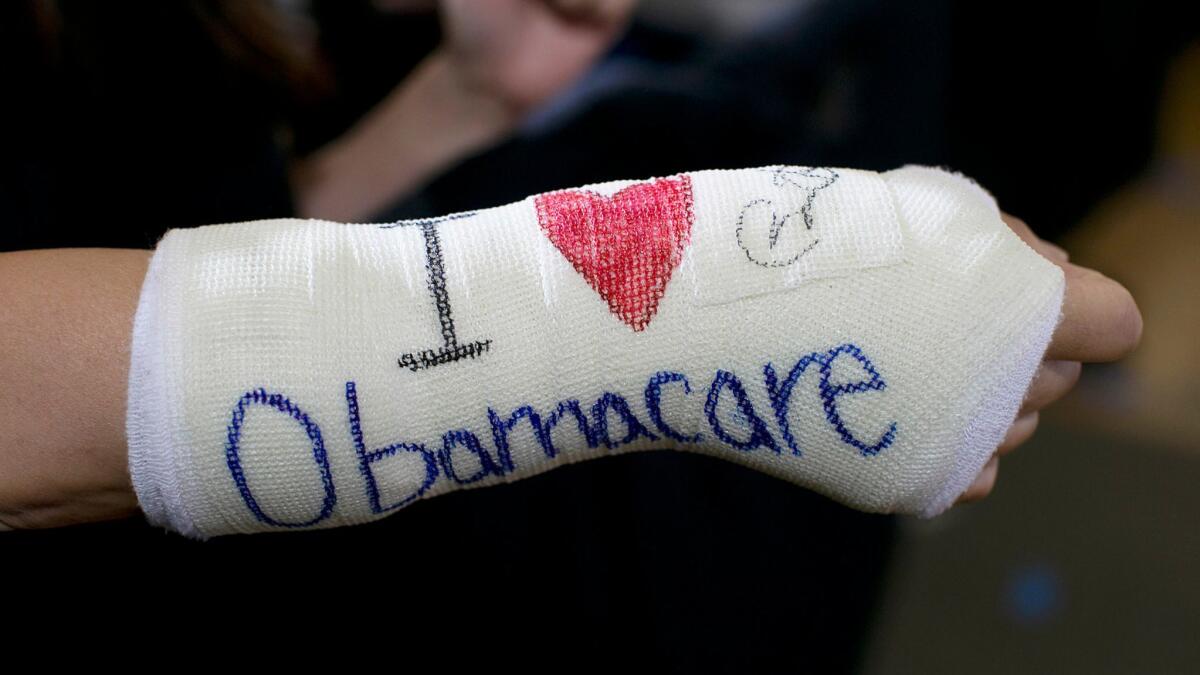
(123, 119)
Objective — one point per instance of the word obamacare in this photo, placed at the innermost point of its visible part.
(595, 427)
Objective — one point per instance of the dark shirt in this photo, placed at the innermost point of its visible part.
(135, 121)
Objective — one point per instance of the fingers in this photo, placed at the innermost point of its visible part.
(1100, 322)
(1019, 227)
(1021, 430)
(1052, 381)
(1051, 252)
(983, 484)
(1054, 251)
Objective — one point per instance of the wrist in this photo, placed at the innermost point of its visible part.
(479, 110)
(433, 119)
(868, 336)
(481, 101)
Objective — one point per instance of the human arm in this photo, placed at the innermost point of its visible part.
(66, 317)
(65, 321)
(1101, 323)
(498, 62)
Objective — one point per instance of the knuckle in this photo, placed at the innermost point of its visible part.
(985, 482)
(1073, 371)
(983, 489)
(1012, 220)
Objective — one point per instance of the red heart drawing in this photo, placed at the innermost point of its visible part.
(626, 246)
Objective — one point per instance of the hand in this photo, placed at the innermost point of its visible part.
(522, 52)
(1100, 323)
(500, 60)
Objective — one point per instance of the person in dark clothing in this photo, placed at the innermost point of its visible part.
(658, 560)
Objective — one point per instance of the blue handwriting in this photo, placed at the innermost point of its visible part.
(610, 423)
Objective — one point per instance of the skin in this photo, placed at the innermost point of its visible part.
(67, 314)
(500, 60)
(1101, 323)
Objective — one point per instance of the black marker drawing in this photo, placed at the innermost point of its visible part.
(760, 226)
(450, 350)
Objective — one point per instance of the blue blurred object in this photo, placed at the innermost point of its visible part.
(1033, 595)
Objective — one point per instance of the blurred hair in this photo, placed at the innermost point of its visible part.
(275, 47)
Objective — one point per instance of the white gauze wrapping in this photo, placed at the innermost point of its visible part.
(866, 335)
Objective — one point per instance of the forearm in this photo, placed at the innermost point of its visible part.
(520, 277)
(325, 374)
(65, 318)
(434, 118)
